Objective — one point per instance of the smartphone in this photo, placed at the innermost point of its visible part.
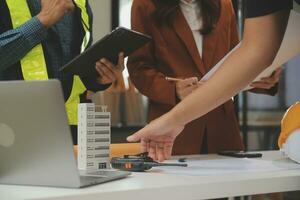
(240, 154)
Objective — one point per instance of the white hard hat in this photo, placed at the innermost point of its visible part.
(291, 147)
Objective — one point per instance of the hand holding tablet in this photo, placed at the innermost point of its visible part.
(109, 47)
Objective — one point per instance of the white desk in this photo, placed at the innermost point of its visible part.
(148, 186)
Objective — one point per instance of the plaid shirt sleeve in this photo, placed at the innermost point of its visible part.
(16, 43)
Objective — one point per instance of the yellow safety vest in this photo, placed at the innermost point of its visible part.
(34, 64)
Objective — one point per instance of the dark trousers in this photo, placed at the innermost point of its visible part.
(74, 134)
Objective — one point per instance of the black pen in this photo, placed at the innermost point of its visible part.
(182, 159)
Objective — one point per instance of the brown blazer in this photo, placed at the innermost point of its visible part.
(173, 52)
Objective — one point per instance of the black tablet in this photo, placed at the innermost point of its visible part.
(109, 47)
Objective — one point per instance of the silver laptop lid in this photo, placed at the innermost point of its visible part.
(35, 141)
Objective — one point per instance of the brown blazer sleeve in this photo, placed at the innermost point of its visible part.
(142, 63)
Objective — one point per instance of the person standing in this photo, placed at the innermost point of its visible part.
(189, 38)
(38, 37)
(263, 35)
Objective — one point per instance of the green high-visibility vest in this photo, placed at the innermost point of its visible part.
(34, 64)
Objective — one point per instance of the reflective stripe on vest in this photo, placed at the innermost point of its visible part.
(78, 86)
(32, 69)
(34, 64)
(85, 21)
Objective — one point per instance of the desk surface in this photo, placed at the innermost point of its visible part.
(172, 186)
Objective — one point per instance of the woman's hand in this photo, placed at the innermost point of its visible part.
(108, 72)
(185, 87)
(158, 138)
(269, 82)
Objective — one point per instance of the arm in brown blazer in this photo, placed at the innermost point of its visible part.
(142, 64)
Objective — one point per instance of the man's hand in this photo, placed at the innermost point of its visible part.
(53, 11)
(269, 82)
(158, 138)
(108, 71)
(186, 86)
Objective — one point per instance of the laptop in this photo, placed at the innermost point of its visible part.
(35, 140)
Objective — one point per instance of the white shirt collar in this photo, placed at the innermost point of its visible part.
(192, 13)
(188, 3)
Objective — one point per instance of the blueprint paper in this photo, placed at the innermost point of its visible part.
(230, 166)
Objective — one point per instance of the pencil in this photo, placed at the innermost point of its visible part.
(173, 79)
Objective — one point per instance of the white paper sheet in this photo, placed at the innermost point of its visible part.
(290, 48)
(229, 166)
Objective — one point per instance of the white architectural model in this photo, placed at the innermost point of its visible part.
(94, 131)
